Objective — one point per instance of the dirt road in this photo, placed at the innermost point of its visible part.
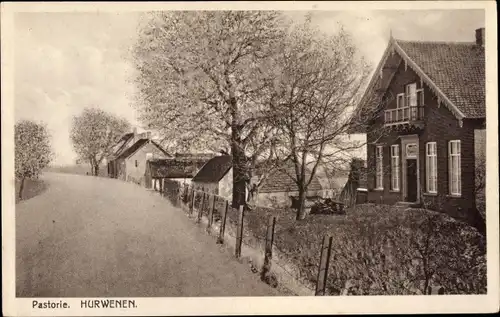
(90, 236)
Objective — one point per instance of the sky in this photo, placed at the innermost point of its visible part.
(65, 62)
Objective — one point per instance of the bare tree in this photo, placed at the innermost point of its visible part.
(94, 134)
(206, 75)
(315, 101)
(33, 151)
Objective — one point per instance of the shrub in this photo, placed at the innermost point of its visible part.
(383, 250)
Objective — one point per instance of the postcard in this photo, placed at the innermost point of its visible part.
(201, 158)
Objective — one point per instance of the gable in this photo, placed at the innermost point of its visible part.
(141, 152)
(138, 145)
(453, 71)
(457, 69)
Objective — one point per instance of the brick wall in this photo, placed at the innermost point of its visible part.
(441, 126)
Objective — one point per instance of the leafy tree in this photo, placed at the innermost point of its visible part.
(315, 101)
(94, 134)
(208, 75)
(33, 150)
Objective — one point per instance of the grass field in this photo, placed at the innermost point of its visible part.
(80, 169)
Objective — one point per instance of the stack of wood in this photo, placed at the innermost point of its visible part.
(328, 207)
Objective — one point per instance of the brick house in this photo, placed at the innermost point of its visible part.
(130, 164)
(216, 177)
(431, 99)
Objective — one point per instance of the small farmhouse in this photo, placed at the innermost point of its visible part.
(181, 170)
(126, 141)
(131, 163)
(279, 188)
(431, 101)
(216, 177)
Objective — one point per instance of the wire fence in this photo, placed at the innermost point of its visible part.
(285, 261)
(198, 205)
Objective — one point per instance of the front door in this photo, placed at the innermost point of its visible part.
(411, 180)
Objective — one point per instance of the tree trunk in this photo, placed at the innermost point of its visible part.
(96, 170)
(21, 188)
(239, 159)
(301, 208)
(239, 183)
(252, 196)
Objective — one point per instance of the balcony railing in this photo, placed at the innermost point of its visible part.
(404, 115)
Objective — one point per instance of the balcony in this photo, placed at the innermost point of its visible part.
(411, 116)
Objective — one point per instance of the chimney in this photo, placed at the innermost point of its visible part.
(480, 36)
(148, 135)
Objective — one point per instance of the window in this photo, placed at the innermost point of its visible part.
(431, 167)
(136, 163)
(411, 150)
(455, 173)
(379, 155)
(411, 95)
(395, 167)
(400, 101)
(420, 97)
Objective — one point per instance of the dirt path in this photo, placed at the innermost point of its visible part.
(90, 236)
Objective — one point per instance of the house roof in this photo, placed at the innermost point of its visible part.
(127, 136)
(454, 71)
(282, 180)
(279, 180)
(214, 170)
(136, 146)
(457, 69)
(175, 168)
(124, 139)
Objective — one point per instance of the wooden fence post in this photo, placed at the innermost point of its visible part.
(178, 196)
(220, 238)
(191, 204)
(239, 232)
(268, 252)
(200, 210)
(185, 196)
(211, 215)
(324, 263)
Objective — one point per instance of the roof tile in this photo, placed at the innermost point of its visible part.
(457, 69)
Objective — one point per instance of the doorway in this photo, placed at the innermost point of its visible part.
(411, 180)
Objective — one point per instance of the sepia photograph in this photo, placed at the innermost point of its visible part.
(273, 151)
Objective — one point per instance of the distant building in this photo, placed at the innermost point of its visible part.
(216, 177)
(175, 169)
(130, 162)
